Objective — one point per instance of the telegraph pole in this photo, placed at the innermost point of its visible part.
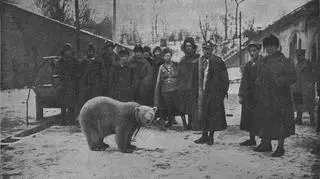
(114, 21)
(77, 28)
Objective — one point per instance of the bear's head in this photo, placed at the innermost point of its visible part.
(145, 114)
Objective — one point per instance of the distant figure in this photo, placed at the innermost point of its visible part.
(304, 88)
(90, 80)
(147, 54)
(274, 108)
(157, 61)
(124, 55)
(247, 93)
(142, 75)
(316, 68)
(109, 59)
(125, 77)
(215, 88)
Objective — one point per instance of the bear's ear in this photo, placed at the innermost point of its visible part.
(137, 109)
(155, 109)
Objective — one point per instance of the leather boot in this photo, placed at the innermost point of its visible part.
(203, 139)
(210, 139)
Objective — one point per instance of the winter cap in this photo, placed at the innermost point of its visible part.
(254, 44)
(138, 48)
(167, 50)
(209, 44)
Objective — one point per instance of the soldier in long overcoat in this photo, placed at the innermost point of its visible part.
(304, 93)
(215, 88)
(274, 108)
(142, 75)
(247, 92)
(90, 80)
(186, 91)
(109, 59)
(68, 89)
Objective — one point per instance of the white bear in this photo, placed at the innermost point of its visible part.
(103, 116)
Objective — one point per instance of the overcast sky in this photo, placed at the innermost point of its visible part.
(185, 13)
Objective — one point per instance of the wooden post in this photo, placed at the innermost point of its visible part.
(114, 20)
(240, 53)
(77, 24)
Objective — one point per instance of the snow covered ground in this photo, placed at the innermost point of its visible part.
(62, 152)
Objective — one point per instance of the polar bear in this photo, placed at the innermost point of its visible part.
(103, 116)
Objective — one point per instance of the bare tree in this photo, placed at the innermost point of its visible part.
(86, 16)
(204, 27)
(238, 2)
(225, 22)
(156, 11)
(56, 9)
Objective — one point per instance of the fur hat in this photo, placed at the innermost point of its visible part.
(270, 41)
(124, 52)
(155, 49)
(66, 47)
(188, 40)
(167, 50)
(138, 48)
(146, 49)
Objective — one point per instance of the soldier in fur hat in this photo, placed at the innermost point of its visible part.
(142, 79)
(274, 110)
(186, 85)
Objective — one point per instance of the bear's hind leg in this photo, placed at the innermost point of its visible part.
(122, 134)
(94, 139)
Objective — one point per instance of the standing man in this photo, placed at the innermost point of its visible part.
(166, 88)
(247, 93)
(68, 90)
(274, 110)
(89, 82)
(305, 87)
(142, 75)
(186, 86)
(109, 58)
(215, 88)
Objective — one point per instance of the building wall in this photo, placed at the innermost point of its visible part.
(234, 60)
(26, 37)
(306, 33)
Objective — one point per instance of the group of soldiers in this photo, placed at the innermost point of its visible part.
(117, 75)
(196, 86)
(271, 88)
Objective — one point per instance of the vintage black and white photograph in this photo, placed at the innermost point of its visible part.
(177, 89)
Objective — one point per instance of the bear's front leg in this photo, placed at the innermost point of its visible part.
(122, 134)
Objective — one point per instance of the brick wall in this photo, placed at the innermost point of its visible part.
(26, 37)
